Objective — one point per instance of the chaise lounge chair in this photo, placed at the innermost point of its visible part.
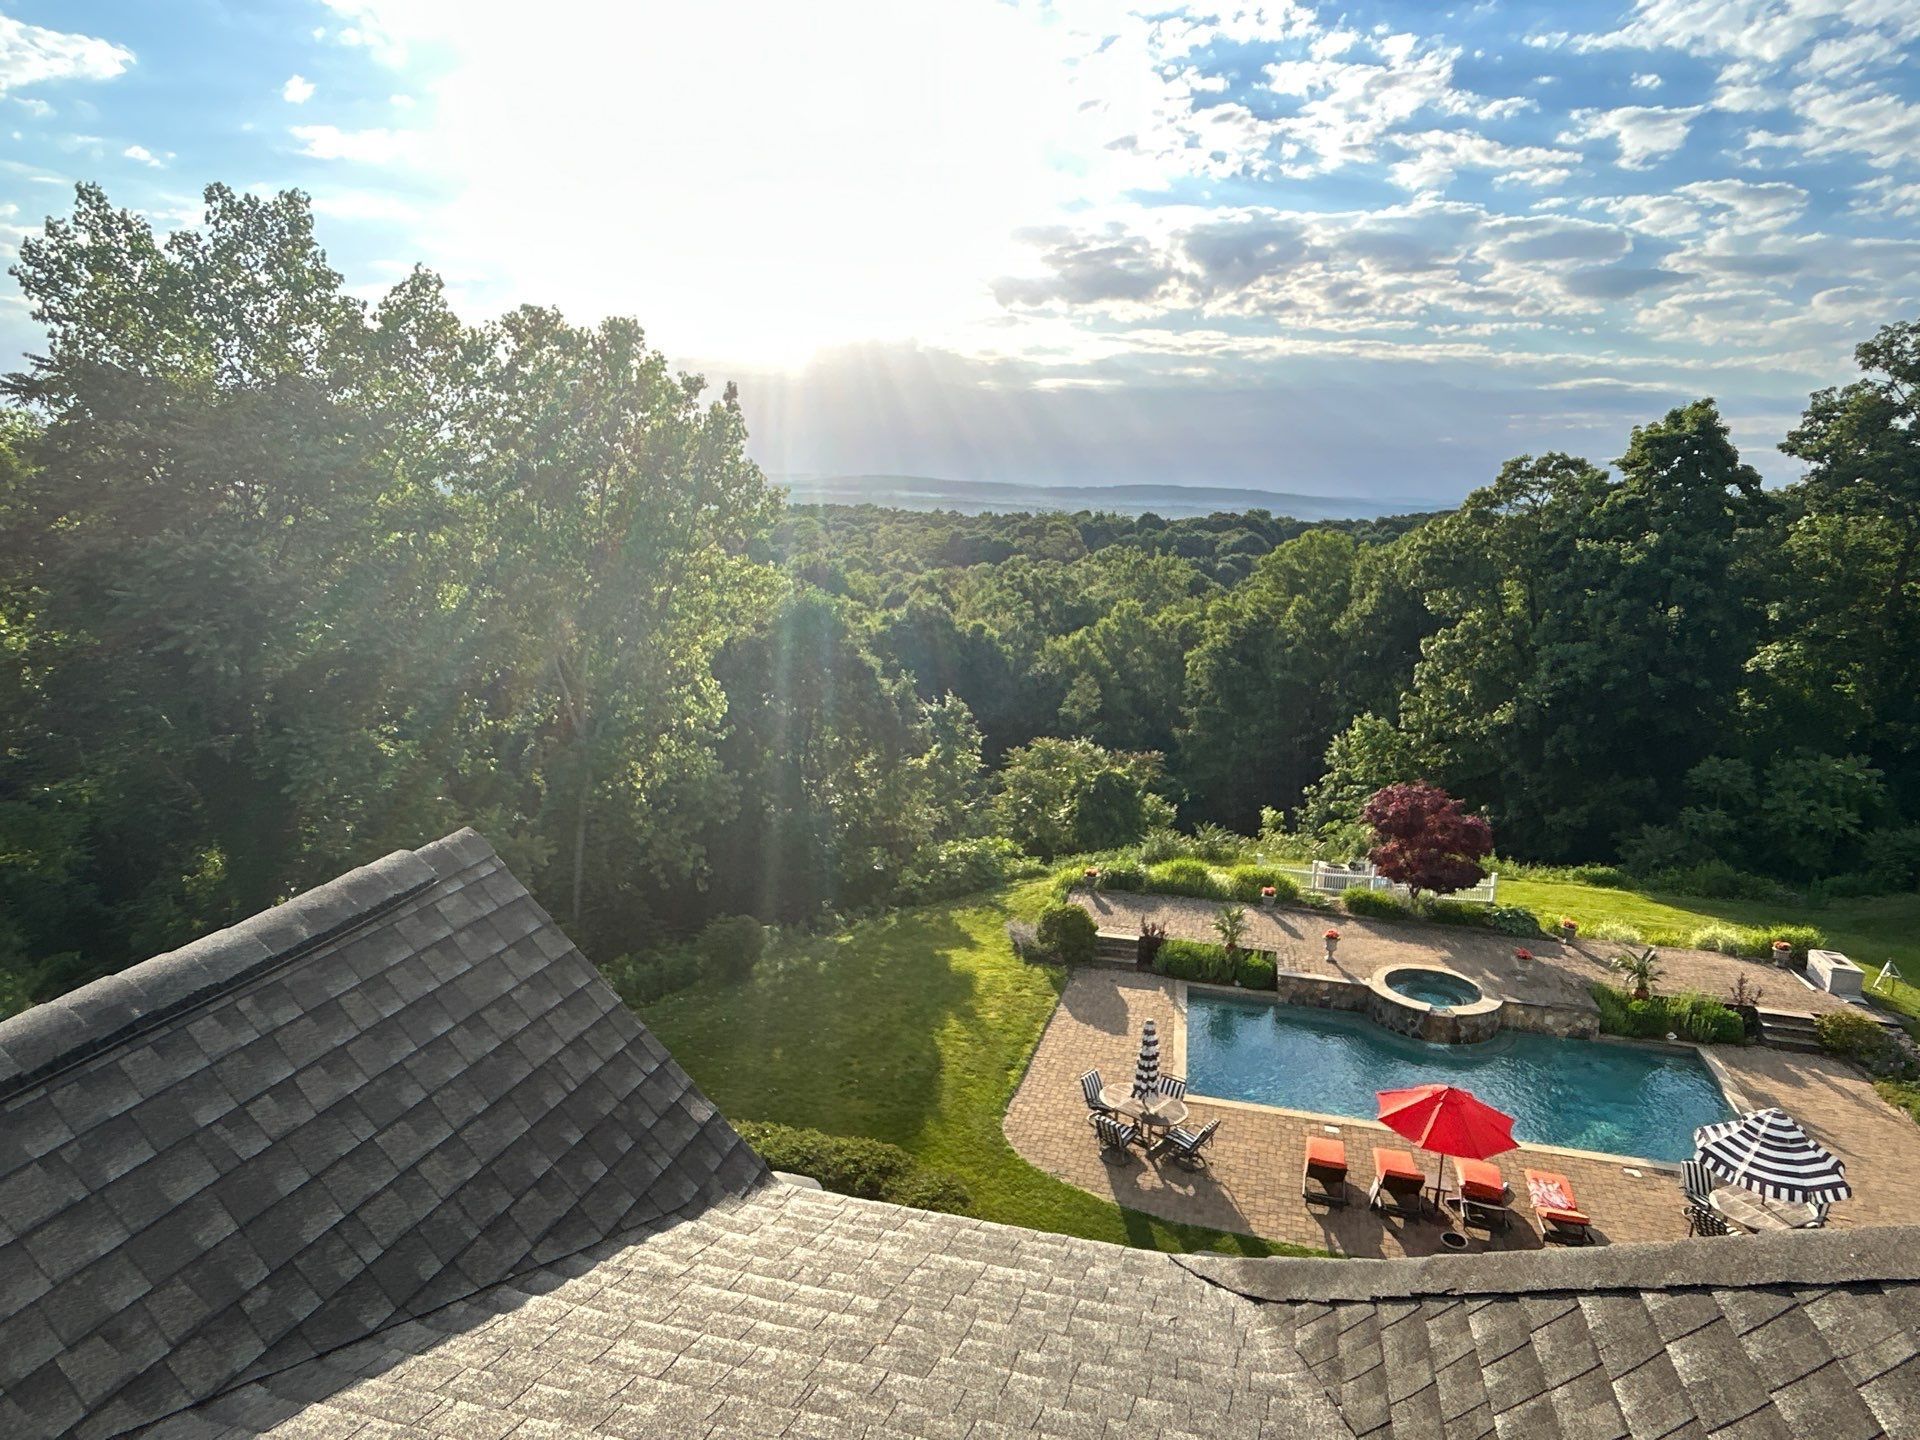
(1114, 1133)
(1558, 1211)
(1090, 1086)
(1398, 1184)
(1185, 1145)
(1326, 1165)
(1483, 1195)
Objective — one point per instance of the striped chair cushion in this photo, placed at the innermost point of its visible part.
(1695, 1181)
(1181, 1138)
(1114, 1134)
(1091, 1087)
(1174, 1087)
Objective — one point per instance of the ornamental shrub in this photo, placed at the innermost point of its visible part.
(1613, 931)
(1849, 1034)
(1246, 882)
(1727, 939)
(729, 947)
(1257, 971)
(855, 1165)
(1164, 843)
(1513, 920)
(1458, 912)
(1801, 938)
(1379, 904)
(1187, 877)
(1195, 960)
(1690, 1016)
(1066, 932)
(1123, 875)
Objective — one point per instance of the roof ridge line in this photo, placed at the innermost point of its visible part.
(1798, 1257)
(104, 1015)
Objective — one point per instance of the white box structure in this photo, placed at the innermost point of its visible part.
(1834, 973)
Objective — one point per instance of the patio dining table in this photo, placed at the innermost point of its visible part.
(1157, 1112)
(1755, 1212)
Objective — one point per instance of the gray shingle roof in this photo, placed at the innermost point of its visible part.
(794, 1312)
(1796, 1334)
(392, 1161)
(390, 1093)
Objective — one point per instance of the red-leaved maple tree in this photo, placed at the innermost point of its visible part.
(1426, 839)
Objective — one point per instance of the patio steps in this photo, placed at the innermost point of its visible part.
(1116, 950)
(1788, 1032)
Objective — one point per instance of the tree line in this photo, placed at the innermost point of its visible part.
(289, 579)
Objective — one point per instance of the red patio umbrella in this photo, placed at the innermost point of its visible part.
(1447, 1121)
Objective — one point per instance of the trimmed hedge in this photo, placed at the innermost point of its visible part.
(1257, 971)
(1689, 1015)
(855, 1165)
(1187, 877)
(1247, 881)
(1123, 876)
(1067, 933)
(1375, 903)
(1458, 912)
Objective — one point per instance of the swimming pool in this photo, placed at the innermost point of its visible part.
(1583, 1094)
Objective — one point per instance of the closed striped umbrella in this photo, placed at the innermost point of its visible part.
(1146, 1073)
(1767, 1152)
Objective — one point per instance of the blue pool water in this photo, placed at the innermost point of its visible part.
(1584, 1094)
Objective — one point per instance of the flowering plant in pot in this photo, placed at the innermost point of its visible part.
(1569, 927)
(1332, 937)
(1782, 952)
(1092, 876)
(1520, 952)
(1268, 894)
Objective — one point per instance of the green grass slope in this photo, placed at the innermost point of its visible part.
(914, 1028)
(1869, 932)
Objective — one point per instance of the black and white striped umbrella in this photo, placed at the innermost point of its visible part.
(1146, 1072)
(1767, 1152)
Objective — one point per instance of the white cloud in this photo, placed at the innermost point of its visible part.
(365, 147)
(144, 156)
(38, 109)
(297, 91)
(31, 55)
(1435, 156)
(1647, 82)
(1644, 133)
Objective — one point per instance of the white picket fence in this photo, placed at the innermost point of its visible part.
(1328, 878)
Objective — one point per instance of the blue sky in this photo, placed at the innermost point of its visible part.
(1365, 248)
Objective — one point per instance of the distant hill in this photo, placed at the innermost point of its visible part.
(975, 497)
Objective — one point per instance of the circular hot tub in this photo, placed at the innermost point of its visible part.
(1441, 989)
(1431, 1002)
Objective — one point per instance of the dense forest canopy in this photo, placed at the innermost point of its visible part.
(288, 580)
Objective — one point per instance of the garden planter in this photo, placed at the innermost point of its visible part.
(1567, 932)
(1333, 942)
(1782, 954)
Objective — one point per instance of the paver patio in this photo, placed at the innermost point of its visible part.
(1559, 974)
(1253, 1183)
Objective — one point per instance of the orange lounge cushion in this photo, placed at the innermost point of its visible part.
(1552, 1197)
(1481, 1181)
(1326, 1154)
(1397, 1165)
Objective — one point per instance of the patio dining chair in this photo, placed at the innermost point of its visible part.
(1695, 1183)
(1174, 1087)
(1702, 1221)
(1185, 1145)
(1114, 1133)
(1090, 1086)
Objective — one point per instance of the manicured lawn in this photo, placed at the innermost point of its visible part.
(914, 1028)
(1870, 932)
